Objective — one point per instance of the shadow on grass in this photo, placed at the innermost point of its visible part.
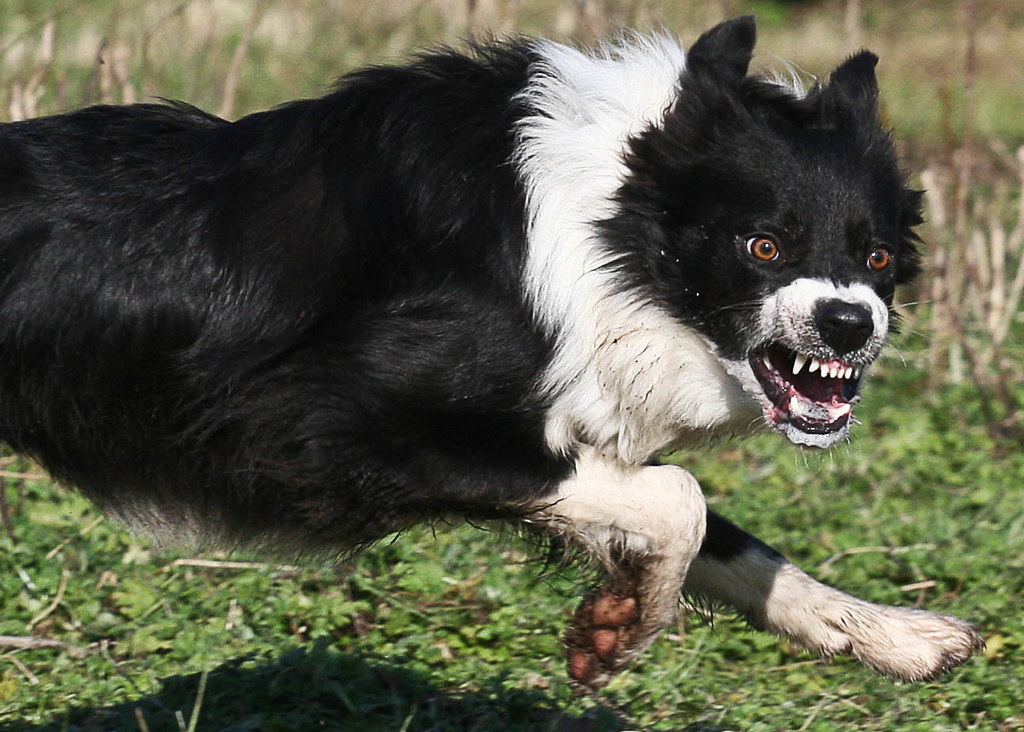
(321, 688)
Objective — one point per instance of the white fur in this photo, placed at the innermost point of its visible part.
(625, 376)
(905, 643)
(655, 516)
(787, 315)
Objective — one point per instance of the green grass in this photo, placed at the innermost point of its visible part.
(455, 629)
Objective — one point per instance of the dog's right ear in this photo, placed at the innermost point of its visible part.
(725, 50)
(851, 95)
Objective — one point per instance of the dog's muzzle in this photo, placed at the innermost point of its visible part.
(810, 364)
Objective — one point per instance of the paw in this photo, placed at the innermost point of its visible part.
(912, 644)
(601, 638)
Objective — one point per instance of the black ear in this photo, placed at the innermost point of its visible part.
(852, 90)
(724, 50)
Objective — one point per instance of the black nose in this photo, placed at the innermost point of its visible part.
(843, 325)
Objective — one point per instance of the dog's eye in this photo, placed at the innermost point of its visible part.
(879, 259)
(763, 248)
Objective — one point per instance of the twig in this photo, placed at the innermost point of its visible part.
(227, 105)
(808, 662)
(218, 564)
(32, 678)
(24, 99)
(92, 525)
(105, 651)
(825, 567)
(32, 643)
(818, 708)
(53, 605)
(23, 476)
(923, 585)
(193, 721)
(5, 511)
(140, 719)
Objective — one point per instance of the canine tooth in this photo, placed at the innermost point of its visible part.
(767, 362)
(798, 363)
(857, 372)
(814, 366)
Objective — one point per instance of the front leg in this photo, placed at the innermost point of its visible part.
(644, 525)
(738, 570)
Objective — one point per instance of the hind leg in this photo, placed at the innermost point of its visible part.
(644, 525)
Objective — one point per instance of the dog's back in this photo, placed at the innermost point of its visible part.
(303, 326)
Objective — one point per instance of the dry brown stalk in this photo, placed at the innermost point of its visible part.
(32, 642)
(227, 105)
(58, 598)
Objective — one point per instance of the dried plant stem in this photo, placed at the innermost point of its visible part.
(58, 598)
(227, 105)
(33, 643)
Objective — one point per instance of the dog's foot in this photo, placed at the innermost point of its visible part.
(601, 638)
(903, 643)
(910, 644)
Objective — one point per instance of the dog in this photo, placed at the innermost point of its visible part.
(489, 285)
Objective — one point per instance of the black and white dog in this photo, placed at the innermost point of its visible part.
(495, 286)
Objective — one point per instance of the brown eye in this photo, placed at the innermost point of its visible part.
(763, 248)
(879, 259)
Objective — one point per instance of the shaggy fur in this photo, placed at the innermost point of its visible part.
(488, 285)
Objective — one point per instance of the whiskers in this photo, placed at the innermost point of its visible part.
(748, 328)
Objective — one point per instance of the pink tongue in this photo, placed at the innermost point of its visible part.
(816, 388)
(818, 411)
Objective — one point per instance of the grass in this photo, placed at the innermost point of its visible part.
(456, 629)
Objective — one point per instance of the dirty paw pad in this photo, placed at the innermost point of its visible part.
(599, 638)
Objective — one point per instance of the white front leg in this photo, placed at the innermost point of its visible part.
(774, 595)
(645, 525)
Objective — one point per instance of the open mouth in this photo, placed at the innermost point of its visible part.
(807, 394)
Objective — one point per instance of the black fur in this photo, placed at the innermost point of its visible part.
(314, 314)
(304, 325)
(739, 156)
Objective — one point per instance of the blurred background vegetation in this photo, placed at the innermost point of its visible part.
(450, 631)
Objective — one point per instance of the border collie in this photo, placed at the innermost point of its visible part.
(492, 285)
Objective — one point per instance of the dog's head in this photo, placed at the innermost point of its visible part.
(775, 222)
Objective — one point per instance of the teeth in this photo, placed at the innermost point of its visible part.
(834, 370)
(798, 363)
(828, 370)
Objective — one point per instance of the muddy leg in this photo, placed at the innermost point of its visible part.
(644, 525)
